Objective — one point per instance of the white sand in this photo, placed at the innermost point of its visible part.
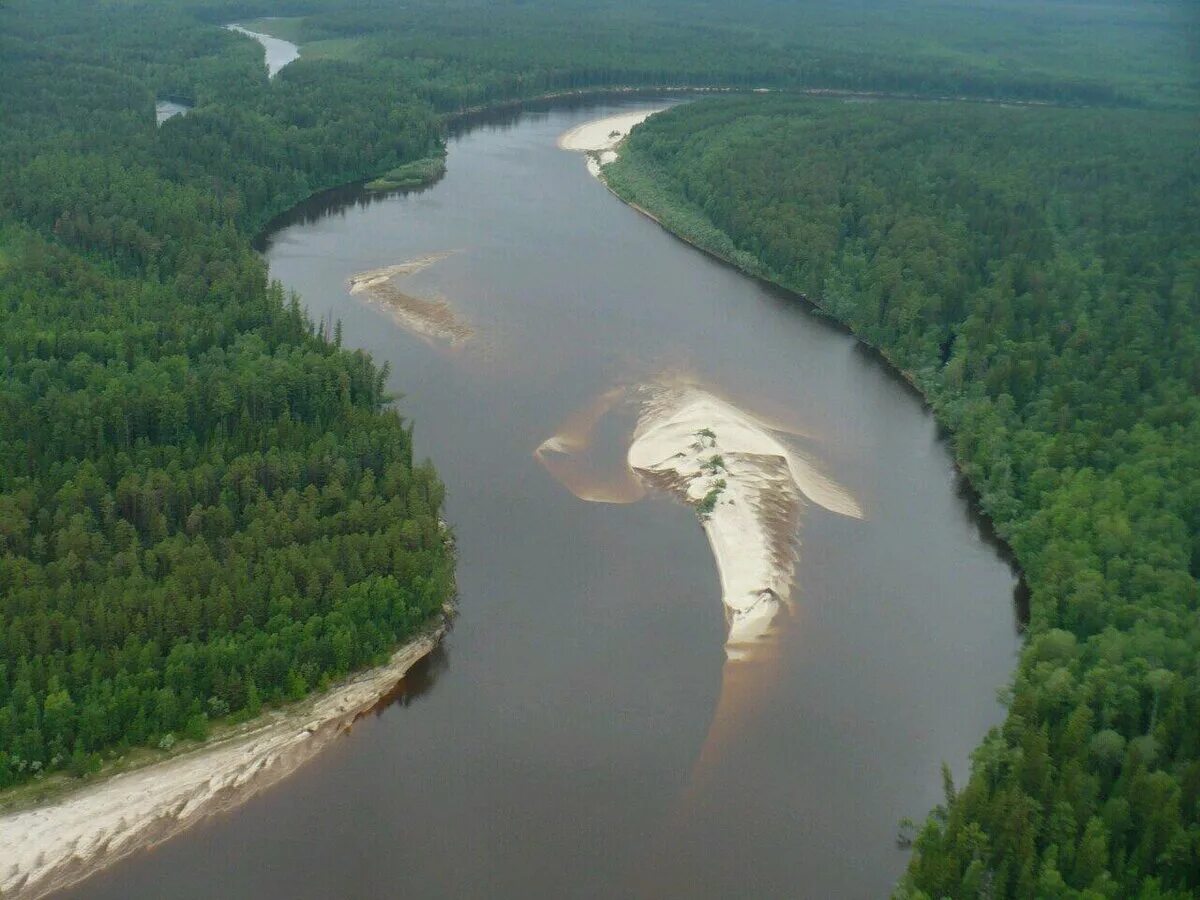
(689, 442)
(600, 137)
(49, 847)
(427, 317)
(694, 443)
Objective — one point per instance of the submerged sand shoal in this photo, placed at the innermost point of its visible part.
(49, 847)
(427, 317)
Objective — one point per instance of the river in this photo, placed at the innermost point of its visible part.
(277, 52)
(553, 745)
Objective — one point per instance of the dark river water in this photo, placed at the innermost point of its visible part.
(553, 746)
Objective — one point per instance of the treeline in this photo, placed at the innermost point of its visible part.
(205, 505)
(468, 52)
(1037, 274)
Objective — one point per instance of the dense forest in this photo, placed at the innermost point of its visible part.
(207, 505)
(1037, 274)
(466, 52)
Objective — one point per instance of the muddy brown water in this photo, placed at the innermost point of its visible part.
(552, 746)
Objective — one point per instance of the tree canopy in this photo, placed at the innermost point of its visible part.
(206, 504)
(1037, 274)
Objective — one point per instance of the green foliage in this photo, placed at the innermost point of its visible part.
(1037, 274)
(418, 173)
(708, 502)
(471, 52)
(204, 505)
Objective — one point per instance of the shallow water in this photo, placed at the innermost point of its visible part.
(553, 747)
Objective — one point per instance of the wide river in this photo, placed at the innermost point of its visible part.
(566, 740)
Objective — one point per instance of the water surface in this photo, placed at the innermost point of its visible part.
(278, 51)
(553, 746)
(169, 109)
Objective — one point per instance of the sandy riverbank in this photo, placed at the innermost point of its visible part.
(49, 847)
(748, 485)
(600, 137)
(427, 317)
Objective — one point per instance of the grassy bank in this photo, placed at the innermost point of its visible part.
(418, 173)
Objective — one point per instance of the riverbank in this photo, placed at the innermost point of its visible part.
(50, 847)
(599, 138)
(639, 190)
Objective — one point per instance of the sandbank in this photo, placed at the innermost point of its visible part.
(748, 485)
(49, 847)
(428, 317)
(599, 138)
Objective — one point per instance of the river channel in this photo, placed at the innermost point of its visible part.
(579, 733)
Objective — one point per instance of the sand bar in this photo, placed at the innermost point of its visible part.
(427, 317)
(600, 137)
(49, 847)
(748, 485)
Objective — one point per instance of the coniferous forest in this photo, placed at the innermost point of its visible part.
(208, 505)
(1035, 272)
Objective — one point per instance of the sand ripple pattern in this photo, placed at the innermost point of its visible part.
(748, 485)
(427, 317)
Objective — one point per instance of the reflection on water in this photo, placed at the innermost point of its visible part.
(417, 682)
(335, 202)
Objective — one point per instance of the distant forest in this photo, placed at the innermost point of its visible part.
(207, 505)
(1037, 274)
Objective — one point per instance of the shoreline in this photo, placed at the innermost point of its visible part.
(38, 872)
(599, 139)
(994, 536)
(466, 117)
(51, 846)
(747, 483)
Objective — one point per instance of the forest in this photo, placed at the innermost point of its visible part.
(208, 505)
(1036, 273)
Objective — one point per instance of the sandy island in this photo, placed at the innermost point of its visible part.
(427, 317)
(600, 137)
(47, 848)
(746, 483)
